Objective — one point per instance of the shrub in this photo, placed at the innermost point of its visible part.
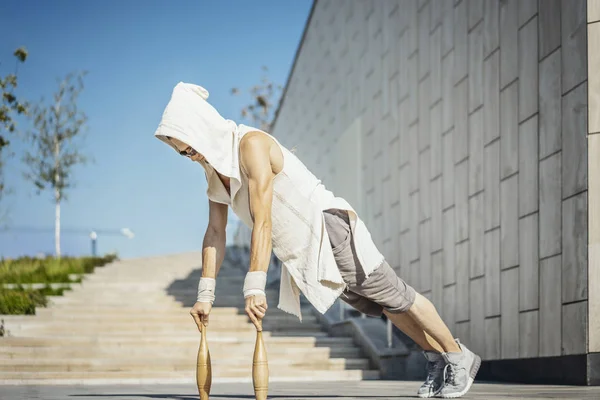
(46, 270)
(49, 269)
(20, 301)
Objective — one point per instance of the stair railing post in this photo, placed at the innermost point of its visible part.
(390, 336)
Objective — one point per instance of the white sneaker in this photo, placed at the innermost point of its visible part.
(435, 375)
(459, 372)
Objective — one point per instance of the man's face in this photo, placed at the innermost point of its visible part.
(186, 150)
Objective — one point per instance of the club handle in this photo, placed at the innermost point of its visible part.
(260, 367)
(203, 368)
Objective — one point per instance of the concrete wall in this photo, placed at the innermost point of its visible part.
(468, 120)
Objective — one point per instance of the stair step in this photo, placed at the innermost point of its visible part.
(192, 334)
(93, 309)
(148, 327)
(235, 364)
(116, 302)
(70, 340)
(75, 377)
(183, 317)
(117, 350)
(173, 308)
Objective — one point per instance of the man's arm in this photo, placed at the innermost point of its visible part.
(213, 252)
(213, 247)
(256, 162)
(255, 159)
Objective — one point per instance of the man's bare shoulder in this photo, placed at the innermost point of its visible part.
(254, 152)
(256, 147)
(254, 140)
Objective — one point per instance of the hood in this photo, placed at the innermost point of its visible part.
(190, 118)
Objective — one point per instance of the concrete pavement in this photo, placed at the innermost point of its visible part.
(378, 390)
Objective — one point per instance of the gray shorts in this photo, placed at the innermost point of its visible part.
(383, 289)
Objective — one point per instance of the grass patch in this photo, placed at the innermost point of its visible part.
(23, 301)
(49, 269)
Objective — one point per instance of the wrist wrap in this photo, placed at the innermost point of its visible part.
(255, 283)
(206, 290)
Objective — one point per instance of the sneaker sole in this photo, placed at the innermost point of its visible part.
(474, 370)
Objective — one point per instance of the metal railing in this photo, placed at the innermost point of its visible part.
(343, 309)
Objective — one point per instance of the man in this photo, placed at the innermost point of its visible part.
(325, 248)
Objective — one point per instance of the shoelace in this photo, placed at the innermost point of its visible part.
(450, 374)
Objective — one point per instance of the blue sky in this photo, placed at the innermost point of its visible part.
(135, 52)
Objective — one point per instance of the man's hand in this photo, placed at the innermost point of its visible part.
(256, 308)
(200, 312)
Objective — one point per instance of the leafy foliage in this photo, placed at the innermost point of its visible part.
(264, 98)
(23, 300)
(48, 269)
(20, 301)
(53, 152)
(10, 106)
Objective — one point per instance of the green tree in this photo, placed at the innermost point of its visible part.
(54, 151)
(10, 106)
(263, 100)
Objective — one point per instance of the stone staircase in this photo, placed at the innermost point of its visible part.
(129, 322)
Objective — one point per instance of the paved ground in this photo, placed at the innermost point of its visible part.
(377, 390)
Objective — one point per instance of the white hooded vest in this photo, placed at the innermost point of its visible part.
(299, 237)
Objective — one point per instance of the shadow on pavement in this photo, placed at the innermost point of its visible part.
(310, 396)
(228, 396)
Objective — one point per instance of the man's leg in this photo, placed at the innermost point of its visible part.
(380, 284)
(414, 315)
(423, 319)
(411, 312)
(407, 324)
(402, 321)
(450, 373)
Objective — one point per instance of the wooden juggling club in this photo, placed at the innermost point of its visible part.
(260, 367)
(203, 367)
